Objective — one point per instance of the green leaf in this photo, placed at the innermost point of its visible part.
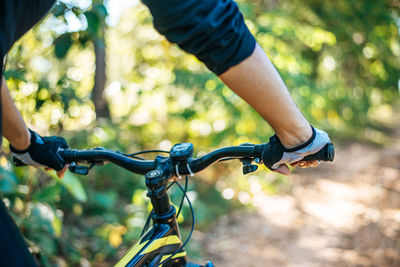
(49, 194)
(44, 218)
(57, 226)
(101, 10)
(93, 22)
(74, 186)
(137, 197)
(16, 73)
(62, 44)
(105, 199)
(41, 217)
(8, 181)
(84, 38)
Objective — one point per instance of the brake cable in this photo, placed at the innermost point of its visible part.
(147, 151)
(147, 224)
(184, 196)
(184, 191)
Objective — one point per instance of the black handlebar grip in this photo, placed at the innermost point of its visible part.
(66, 154)
(327, 153)
(61, 152)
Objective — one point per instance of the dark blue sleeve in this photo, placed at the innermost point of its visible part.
(16, 18)
(212, 30)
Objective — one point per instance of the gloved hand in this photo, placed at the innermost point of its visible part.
(275, 154)
(42, 152)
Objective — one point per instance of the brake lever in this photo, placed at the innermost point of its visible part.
(247, 166)
(81, 170)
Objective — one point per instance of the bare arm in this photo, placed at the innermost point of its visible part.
(14, 127)
(256, 81)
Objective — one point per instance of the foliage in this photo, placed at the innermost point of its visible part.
(339, 59)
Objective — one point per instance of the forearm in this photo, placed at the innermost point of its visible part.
(256, 81)
(214, 31)
(14, 127)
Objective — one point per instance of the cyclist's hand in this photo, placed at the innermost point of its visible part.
(42, 152)
(276, 156)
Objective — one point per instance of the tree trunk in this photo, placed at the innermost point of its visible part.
(100, 104)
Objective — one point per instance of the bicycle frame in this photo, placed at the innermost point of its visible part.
(156, 245)
(162, 244)
(163, 239)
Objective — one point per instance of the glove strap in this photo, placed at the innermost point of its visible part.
(35, 139)
(302, 145)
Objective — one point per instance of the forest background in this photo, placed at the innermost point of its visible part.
(98, 74)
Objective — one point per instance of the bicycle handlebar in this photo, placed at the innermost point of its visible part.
(144, 166)
(101, 155)
(194, 165)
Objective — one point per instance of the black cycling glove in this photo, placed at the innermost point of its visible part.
(275, 154)
(42, 152)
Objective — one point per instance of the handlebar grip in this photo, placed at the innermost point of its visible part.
(327, 153)
(65, 154)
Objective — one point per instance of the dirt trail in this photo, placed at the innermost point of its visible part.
(341, 214)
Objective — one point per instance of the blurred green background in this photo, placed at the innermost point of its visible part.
(98, 74)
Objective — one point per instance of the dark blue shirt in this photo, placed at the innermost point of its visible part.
(16, 18)
(212, 30)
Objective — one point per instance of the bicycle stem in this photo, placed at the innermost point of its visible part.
(156, 183)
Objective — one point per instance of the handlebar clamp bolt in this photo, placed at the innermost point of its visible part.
(153, 174)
